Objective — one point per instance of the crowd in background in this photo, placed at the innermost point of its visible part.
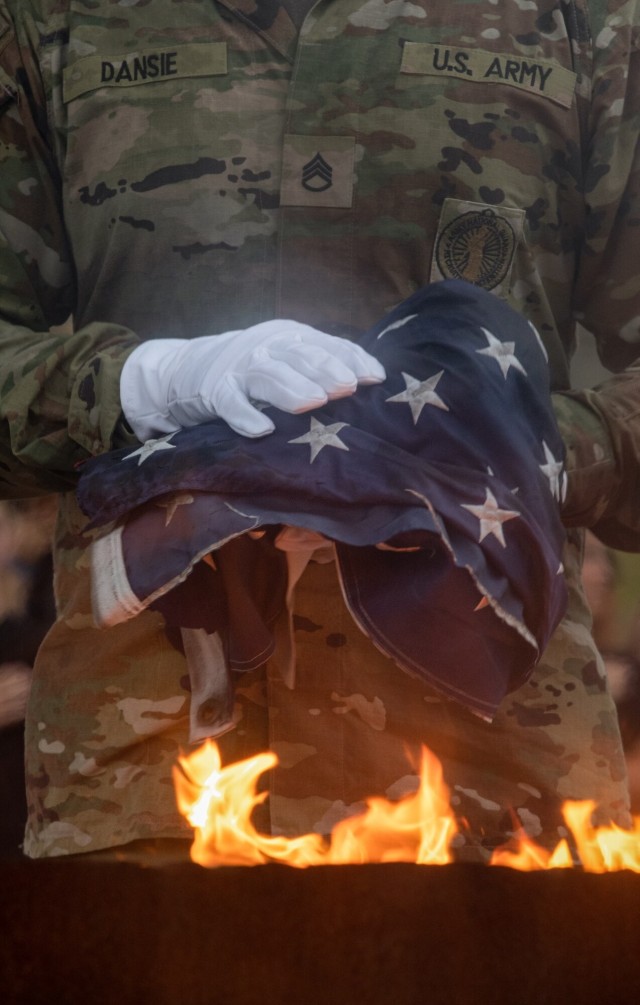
(27, 610)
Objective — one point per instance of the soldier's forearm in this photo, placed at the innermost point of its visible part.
(601, 430)
(59, 403)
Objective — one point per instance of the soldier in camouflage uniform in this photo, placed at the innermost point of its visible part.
(187, 168)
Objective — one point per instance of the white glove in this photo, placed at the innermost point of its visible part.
(167, 384)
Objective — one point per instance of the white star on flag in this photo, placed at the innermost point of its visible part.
(150, 447)
(491, 517)
(502, 352)
(552, 470)
(320, 436)
(419, 393)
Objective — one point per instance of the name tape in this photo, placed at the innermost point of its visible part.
(199, 59)
(541, 76)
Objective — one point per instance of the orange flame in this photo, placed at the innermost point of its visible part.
(524, 854)
(219, 802)
(602, 849)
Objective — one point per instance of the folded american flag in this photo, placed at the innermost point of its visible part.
(440, 488)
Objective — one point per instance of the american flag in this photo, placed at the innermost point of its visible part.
(439, 488)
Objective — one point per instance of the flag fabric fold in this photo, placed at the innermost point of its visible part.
(440, 489)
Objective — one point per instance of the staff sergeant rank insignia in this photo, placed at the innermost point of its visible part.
(317, 174)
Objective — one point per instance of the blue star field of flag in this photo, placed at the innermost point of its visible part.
(441, 488)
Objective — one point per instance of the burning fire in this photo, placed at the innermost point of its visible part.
(219, 802)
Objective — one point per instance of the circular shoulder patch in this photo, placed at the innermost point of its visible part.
(477, 246)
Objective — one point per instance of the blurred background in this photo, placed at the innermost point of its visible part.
(26, 612)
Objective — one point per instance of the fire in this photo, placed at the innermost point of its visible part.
(603, 849)
(526, 855)
(219, 803)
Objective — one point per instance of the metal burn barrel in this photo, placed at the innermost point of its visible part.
(82, 931)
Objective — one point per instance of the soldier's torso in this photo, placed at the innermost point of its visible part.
(220, 168)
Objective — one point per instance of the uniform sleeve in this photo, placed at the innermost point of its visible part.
(601, 431)
(59, 392)
(601, 427)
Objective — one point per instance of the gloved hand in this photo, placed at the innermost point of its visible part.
(167, 384)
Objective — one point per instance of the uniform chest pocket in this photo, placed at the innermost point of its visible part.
(128, 114)
(149, 66)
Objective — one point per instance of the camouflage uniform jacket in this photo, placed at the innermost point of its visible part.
(177, 169)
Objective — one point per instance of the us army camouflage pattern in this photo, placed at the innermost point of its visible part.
(163, 172)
